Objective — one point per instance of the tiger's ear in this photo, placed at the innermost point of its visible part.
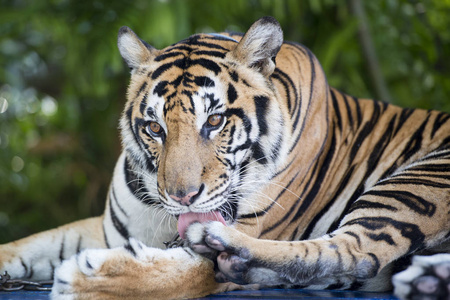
(260, 45)
(133, 50)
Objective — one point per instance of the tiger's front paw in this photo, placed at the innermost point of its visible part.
(134, 272)
(75, 277)
(234, 260)
(427, 278)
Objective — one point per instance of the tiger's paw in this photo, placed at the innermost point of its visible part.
(134, 272)
(76, 276)
(235, 262)
(427, 278)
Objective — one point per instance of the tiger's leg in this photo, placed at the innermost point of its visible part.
(136, 271)
(398, 216)
(36, 257)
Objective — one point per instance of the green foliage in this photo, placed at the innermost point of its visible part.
(64, 82)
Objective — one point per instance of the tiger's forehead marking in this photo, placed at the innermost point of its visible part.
(185, 80)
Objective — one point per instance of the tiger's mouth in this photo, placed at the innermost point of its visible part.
(185, 220)
(226, 214)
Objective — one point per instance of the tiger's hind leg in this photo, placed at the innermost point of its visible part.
(427, 278)
(36, 257)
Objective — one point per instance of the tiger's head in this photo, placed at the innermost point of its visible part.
(202, 126)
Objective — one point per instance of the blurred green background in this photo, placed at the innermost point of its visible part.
(63, 83)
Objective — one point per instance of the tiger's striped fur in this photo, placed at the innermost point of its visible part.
(318, 188)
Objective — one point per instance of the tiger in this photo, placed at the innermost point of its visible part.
(238, 153)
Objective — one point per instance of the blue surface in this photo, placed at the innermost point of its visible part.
(261, 294)
(24, 295)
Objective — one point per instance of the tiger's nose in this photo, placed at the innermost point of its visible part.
(187, 199)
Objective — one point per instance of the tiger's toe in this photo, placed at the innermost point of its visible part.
(427, 278)
(232, 268)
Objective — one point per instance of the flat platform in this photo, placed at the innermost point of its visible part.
(261, 294)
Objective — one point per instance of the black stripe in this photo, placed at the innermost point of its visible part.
(168, 55)
(207, 64)
(31, 272)
(179, 47)
(357, 192)
(431, 168)
(180, 63)
(88, 264)
(143, 87)
(349, 111)
(105, 237)
(415, 141)
(261, 104)
(358, 110)
(311, 89)
(136, 186)
(378, 150)
(414, 181)
(52, 267)
(130, 249)
(231, 94)
(80, 238)
(61, 249)
(288, 84)
(414, 202)
(161, 88)
(258, 154)
(408, 230)
(129, 114)
(364, 204)
(440, 120)
(114, 199)
(352, 234)
(24, 267)
(118, 225)
(210, 53)
(239, 112)
(62, 281)
(365, 131)
(204, 81)
(276, 147)
(196, 41)
(415, 175)
(143, 104)
(337, 111)
(234, 76)
(381, 237)
(404, 115)
(375, 268)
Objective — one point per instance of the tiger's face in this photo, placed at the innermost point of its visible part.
(202, 126)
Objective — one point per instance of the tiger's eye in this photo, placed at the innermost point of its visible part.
(154, 127)
(215, 120)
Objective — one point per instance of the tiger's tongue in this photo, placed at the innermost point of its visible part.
(187, 219)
